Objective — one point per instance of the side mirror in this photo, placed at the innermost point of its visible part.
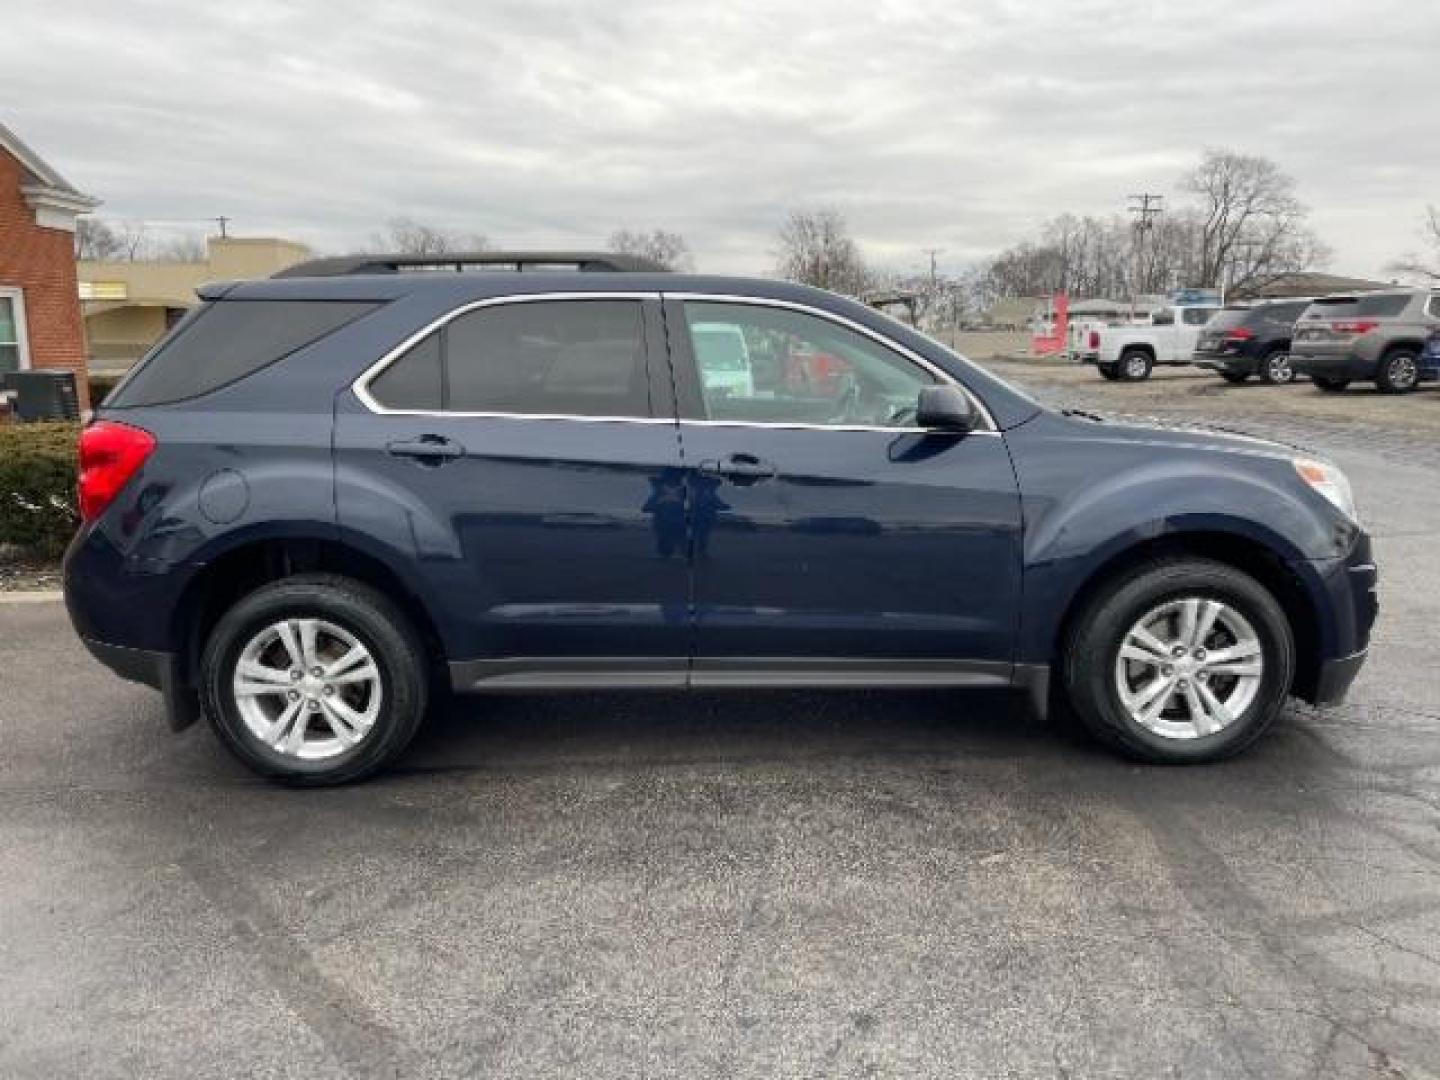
(946, 408)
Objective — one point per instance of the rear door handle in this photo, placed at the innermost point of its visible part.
(427, 449)
(741, 468)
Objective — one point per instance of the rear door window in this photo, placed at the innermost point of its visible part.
(549, 358)
(226, 340)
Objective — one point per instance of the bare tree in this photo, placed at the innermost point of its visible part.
(1420, 265)
(96, 239)
(816, 249)
(1253, 226)
(407, 236)
(667, 248)
(185, 248)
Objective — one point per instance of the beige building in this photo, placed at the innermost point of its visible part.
(129, 305)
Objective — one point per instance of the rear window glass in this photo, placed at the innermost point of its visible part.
(1384, 306)
(227, 340)
(1227, 318)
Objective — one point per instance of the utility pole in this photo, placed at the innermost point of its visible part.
(1146, 208)
(933, 301)
(932, 252)
(222, 221)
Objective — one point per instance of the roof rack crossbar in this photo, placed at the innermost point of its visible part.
(459, 261)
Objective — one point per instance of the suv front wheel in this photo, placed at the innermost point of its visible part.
(1181, 661)
(1399, 371)
(314, 679)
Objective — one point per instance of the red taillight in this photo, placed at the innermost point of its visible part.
(1239, 334)
(1094, 339)
(109, 455)
(1354, 326)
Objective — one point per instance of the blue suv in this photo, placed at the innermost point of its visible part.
(330, 496)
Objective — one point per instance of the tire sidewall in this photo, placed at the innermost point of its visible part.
(401, 679)
(1129, 357)
(1092, 657)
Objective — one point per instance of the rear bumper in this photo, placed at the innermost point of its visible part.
(133, 665)
(158, 670)
(1227, 363)
(1332, 366)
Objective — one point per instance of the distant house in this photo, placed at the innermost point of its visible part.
(40, 321)
(1304, 283)
(129, 305)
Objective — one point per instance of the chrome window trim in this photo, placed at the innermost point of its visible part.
(360, 386)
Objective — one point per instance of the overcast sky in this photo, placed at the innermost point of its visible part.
(959, 124)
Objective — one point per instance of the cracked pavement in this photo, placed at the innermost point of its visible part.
(748, 884)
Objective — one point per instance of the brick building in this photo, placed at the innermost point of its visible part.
(40, 322)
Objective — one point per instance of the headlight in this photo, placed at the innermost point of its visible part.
(1329, 482)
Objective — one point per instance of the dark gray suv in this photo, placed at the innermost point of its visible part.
(1374, 337)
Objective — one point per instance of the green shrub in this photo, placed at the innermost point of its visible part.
(37, 486)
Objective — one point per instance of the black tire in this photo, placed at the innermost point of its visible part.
(1329, 385)
(366, 614)
(1399, 371)
(1092, 646)
(1108, 372)
(1235, 378)
(1275, 369)
(1136, 365)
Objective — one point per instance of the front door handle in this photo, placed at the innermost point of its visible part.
(740, 469)
(427, 449)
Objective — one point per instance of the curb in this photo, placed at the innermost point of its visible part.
(31, 596)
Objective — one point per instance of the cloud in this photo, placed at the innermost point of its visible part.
(929, 124)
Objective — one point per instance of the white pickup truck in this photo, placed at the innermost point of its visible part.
(1131, 352)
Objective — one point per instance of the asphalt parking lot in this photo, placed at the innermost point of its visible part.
(754, 885)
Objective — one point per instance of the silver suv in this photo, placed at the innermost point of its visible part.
(1373, 337)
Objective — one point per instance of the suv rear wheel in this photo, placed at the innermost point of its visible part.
(1399, 371)
(1135, 365)
(314, 679)
(1275, 368)
(1180, 661)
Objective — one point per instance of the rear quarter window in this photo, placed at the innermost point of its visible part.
(1383, 306)
(226, 340)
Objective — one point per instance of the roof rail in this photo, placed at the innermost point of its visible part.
(460, 261)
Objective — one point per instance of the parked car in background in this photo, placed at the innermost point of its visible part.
(1430, 358)
(326, 499)
(1371, 337)
(1251, 340)
(1131, 352)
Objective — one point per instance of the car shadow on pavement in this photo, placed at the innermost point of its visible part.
(559, 730)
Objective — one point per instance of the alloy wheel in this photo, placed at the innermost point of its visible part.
(1279, 368)
(1189, 668)
(307, 688)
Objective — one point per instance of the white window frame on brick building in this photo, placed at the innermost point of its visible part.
(15, 299)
